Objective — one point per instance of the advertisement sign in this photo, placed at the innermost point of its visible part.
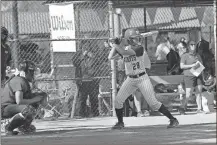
(62, 26)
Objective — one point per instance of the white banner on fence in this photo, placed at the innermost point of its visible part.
(62, 23)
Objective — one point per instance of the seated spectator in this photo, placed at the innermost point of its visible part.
(209, 92)
(207, 101)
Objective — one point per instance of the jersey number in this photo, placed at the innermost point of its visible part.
(136, 66)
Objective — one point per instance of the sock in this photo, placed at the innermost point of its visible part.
(16, 121)
(165, 112)
(119, 113)
(28, 121)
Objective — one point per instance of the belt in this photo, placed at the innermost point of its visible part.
(137, 76)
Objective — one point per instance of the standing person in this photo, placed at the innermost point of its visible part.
(89, 86)
(5, 53)
(18, 102)
(137, 78)
(190, 60)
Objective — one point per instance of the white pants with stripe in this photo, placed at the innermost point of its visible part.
(130, 85)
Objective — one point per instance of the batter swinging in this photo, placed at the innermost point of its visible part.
(137, 77)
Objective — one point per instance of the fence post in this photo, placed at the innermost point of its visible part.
(215, 23)
(15, 33)
(145, 28)
(215, 34)
(113, 62)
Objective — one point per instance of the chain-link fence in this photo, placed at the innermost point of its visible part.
(62, 74)
(72, 79)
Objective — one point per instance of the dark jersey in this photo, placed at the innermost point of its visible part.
(15, 84)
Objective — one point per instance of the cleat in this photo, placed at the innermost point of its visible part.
(26, 129)
(139, 114)
(199, 111)
(146, 113)
(119, 125)
(173, 123)
(10, 132)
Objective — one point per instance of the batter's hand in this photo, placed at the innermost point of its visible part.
(119, 44)
(115, 40)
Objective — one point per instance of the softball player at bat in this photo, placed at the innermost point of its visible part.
(137, 77)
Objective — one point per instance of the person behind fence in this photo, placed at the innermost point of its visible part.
(190, 60)
(208, 58)
(88, 85)
(5, 53)
(166, 49)
(182, 47)
(209, 92)
(137, 77)
(18, 103)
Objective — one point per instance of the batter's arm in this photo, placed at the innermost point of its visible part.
(117, 56)
(114, 54)
(123, 50)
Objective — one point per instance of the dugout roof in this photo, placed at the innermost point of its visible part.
(161, 3)
(149, 3)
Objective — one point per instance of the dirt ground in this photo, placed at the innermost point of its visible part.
(193, 129)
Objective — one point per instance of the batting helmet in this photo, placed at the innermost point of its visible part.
(131, 33)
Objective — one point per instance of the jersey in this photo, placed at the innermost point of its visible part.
(135, 64)
(188, 59)
(16, 84)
